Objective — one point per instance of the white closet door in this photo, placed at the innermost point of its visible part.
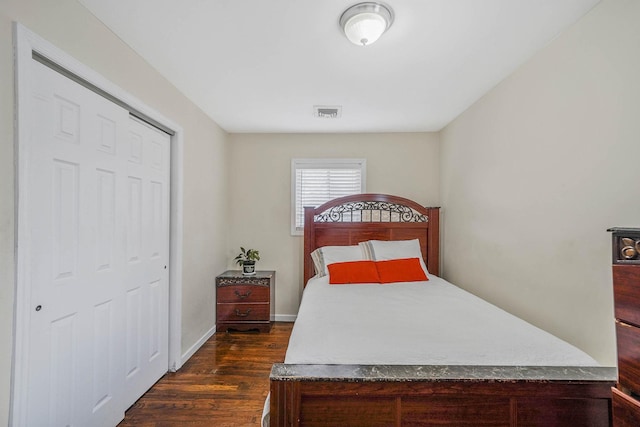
(147, 257)
(86, 249)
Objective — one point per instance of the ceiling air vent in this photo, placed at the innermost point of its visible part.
(327, 111)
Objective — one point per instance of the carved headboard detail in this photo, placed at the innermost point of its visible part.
(354, 219)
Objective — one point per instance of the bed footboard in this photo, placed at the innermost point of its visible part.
(350, 395)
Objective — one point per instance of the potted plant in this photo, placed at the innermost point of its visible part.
(247, 260)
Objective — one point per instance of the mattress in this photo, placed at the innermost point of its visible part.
(417, 323)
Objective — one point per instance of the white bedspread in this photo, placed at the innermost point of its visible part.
(417, 323)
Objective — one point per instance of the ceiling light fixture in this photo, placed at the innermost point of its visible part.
(364, 23)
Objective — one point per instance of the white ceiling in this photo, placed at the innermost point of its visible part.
(261, 65)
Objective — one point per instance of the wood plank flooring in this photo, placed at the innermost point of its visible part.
(224, 384)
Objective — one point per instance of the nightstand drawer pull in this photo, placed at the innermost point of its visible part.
(242, 296)
(240, 314)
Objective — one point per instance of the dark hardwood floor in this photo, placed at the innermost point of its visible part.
(224, 384)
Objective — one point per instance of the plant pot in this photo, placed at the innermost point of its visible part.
(249, 268)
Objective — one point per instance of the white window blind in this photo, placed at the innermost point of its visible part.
(316, 181)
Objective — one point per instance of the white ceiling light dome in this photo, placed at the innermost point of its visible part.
(364, 23)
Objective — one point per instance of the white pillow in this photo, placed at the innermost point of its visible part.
(326, 255)
(383, 250)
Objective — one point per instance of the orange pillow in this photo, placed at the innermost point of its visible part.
(401, 270)
(353, 272)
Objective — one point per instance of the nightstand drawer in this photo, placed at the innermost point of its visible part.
(626, 410)
(628, 356)
(243, 294)
(626, 293)
(243, 312)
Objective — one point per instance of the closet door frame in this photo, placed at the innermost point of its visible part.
(26, 45)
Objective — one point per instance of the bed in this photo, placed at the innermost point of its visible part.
(421, 352)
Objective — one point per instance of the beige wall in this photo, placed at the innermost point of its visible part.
(535, 172)
(70, 27)
(405, 164)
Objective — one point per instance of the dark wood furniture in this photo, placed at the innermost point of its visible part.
(379, 395)
(245, 302)
(626, 293)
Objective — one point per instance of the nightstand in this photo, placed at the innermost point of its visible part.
(245, 302)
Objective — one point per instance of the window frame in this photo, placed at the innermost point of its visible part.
(322, 163)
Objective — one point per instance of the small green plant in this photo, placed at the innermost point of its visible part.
(248, 255)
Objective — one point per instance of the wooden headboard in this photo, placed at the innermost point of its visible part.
(353, 219)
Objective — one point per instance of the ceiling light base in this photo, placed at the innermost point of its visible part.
(364, 23)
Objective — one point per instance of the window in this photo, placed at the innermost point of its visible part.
(316, 181)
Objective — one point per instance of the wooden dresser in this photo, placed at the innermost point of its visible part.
(245, 302)
(626, 292)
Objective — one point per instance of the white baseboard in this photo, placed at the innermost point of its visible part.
(285, 318)
(192, 350)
